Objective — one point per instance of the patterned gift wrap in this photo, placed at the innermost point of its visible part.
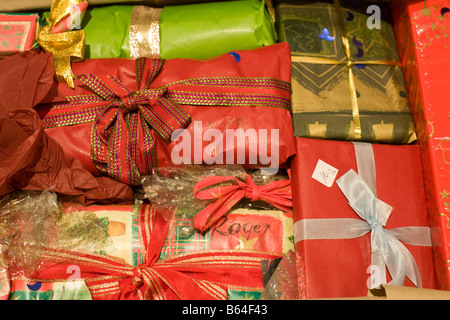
(347, 82)
(422, 31)
(269, 231)
(17, 32)
(121, 242)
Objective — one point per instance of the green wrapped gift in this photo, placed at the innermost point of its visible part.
(347, 81)
(195, 31)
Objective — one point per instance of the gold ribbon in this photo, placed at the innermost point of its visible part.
(349, 63)
(66, 46)
(144, 32)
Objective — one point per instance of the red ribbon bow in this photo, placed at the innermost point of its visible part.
(121, 142)
(197, 275)
(276, 193)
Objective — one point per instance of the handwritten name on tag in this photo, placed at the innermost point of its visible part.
(324, 173)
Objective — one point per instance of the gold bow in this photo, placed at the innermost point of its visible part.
(66, 46)
(349, 63)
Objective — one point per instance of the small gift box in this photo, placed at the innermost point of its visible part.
(17, 32)
(347, 81)
(360, 218)
(125, 116)
(422, 30)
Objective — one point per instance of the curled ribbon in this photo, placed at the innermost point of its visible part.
(349, 63)
(66, 45)
(197, 275)
(387, 249)
(276, 193)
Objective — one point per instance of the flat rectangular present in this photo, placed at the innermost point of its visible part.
(17, 32)
(422, 31)
(347, 82)
(354, 206)
(133, 236)
(223, 110)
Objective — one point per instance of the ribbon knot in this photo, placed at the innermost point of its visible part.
(137, 279)
(254, 191)
(129, 102)
(276, 193)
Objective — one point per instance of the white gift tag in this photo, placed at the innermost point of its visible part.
(324, 173)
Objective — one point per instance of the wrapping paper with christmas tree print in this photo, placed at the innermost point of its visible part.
(422, 30)
(326, 103)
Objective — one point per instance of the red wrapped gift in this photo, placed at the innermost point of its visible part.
(366, 229)
(125, 117)
(422, 30)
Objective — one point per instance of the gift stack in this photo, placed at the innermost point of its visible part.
(246, 149)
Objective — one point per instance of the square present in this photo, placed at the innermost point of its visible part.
(17, 32)
(354, 204)
(347, 82)
(422, 30)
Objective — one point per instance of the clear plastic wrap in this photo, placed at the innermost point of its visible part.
(31, 221)
(283, 282)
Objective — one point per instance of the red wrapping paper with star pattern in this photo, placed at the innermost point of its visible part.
(422, 29)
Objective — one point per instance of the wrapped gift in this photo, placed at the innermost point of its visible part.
(347, 82)
(114, 252)
(352, 230)
(224, 110)
(422, 33)
(17, 32)
(196, 31)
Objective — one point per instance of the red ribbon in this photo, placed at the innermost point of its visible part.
(198, 275)
(276, 193)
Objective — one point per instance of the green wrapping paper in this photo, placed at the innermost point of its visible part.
(321, 98)
(195, 31)
(112, 21)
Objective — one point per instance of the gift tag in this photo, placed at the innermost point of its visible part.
(324, 173)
